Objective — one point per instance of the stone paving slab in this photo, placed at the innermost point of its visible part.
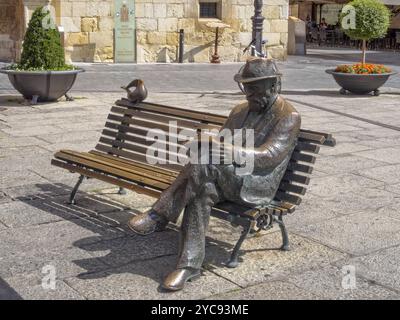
(16, 213)
(389, 155)
(347, 163)
(381, 142)
(9, 179)
(141, 280)
(272, 290)
(29, 287)
(340, 184)
(28, 249)
(395, 188)
(123, 251)
(70, 137)
(327, 283)
(360, 233)
(263, 261)
(368, 199)
(344, 148)
(4, 198)
(132, 199)
(21, 142)
(382, 267)
(389, 174)
(37, 191)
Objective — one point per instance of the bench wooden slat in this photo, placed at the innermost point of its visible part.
(147, 125)
(109, 179)
(290, 176)
(285, 205)
(285, 186)
(163, 118)
(140, 139)
(312, 136)
(135, 156)
(125, 128)
(325, 135)
(307, 147)
(236, 209)
(295, 166)
(288, 197)
(303, 157)
(179, 112)
(141, 149)
(108, 169)
(144, 165)
(115, 163)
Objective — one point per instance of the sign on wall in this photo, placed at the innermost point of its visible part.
(125, 38)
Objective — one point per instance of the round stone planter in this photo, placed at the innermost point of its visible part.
(42, 85)
(360, 83)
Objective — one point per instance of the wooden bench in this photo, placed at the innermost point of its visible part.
(120, 159)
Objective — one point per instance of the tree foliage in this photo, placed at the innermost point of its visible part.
(372, 20)
(42, 48)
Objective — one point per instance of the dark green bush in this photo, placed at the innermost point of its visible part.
(42, 48)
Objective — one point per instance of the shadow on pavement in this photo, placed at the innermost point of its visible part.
(107, 219)
(8, 293)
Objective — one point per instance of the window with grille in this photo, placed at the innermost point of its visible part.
(209, 10)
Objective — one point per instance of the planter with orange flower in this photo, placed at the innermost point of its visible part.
(371, 21)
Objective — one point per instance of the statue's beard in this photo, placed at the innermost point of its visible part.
(258, 104)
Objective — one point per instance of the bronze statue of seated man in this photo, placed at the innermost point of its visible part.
(199, 187)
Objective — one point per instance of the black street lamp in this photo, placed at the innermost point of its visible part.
(258, 21)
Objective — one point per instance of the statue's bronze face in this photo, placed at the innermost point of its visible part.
(258, 93)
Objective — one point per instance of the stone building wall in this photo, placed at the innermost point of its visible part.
(158, 23)
(11, 29)
(89, 24)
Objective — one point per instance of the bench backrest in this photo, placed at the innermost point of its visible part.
(126, 136)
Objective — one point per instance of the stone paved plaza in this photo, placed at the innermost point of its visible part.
(348, 219)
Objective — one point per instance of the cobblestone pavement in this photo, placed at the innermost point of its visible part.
(349, 219)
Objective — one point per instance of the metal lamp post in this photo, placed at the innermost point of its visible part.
(258, 21)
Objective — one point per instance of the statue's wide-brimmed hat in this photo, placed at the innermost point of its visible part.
(257, 69)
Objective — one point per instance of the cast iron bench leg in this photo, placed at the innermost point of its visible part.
(285, 237)
(75, 190)
(233, 261)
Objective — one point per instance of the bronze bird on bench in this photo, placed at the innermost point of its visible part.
(139, 94)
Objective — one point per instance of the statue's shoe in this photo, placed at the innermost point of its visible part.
(176, 280)
(147, 223)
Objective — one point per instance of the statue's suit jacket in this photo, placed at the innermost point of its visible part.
(275, 136)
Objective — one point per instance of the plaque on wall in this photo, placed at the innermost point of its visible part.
(125, 37)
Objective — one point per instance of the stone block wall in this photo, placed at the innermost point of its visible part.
(159, 21)
(89, 24)
(11, 29)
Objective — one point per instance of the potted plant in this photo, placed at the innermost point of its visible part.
(372, 20)
(42, 74)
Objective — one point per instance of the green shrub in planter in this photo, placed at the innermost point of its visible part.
(42, 48)
(372, 20)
